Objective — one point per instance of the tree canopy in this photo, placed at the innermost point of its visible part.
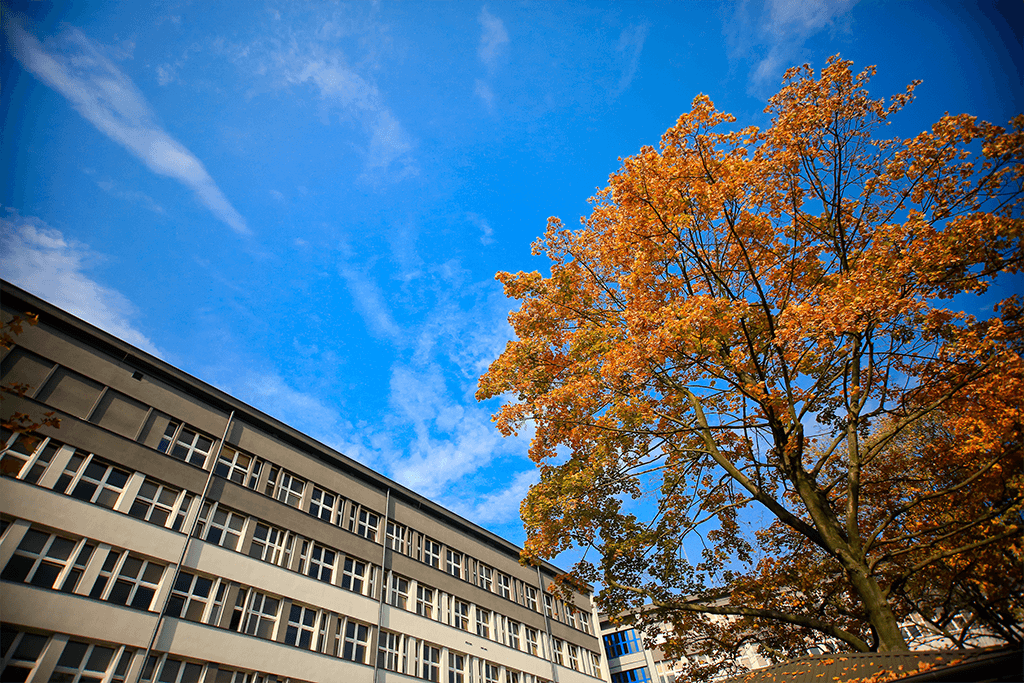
(751, 339)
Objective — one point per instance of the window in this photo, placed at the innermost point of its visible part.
(172, 670)
(239, 467)
(285, 486)
(127, 579)
(513, 634)
(21, 652)
(504, 585)
(585, 622)
(317, 561)
(357, 638)
(301, 626)
(454, 563)
(632, 676)
(28, 457)
(558, 646)
(533, 641)
(365, 523)
(353, 575)
(595, 659)
(574, 657)
(255, 613)
(185, 443)
(531, 598)
(271, 544)
(621, 643)
(161, 504)
(460, 615)
(570, 616)
(398, 593)
(431, 666)
(485, 577)
(220, 525)
(92, 479)
(190, 597)
(456, 667)
(45, 560)
(491, 672)
(390, 651)
(432, 552)
(425, 601)
(395, 537)
(85, 662)
(483, 623)
(322, 504)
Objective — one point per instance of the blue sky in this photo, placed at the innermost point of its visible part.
(305, 204)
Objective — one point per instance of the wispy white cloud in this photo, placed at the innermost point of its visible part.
(76, 67)
(631, 44)
(493, 38)
(114, 190)
(486, 232)
(39, 259)
(165, 74)
(493, 46)
(484, 92)
(500, 505)
(771, 34)
(345, 91)
(371, 304)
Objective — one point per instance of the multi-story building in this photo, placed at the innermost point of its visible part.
(166, 531)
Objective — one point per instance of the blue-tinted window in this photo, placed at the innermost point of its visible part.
(632, 676)
(621, 643)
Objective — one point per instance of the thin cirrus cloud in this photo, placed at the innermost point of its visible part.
(631, 44)
(340, 87)
(493, 38)
(39, 259)
(493, 43)
(75, 66)
(772, 34)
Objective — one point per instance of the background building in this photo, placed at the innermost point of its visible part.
(300, 564)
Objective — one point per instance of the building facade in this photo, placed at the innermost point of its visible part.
(166, 531)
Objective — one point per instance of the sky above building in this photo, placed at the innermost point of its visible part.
(305, 204)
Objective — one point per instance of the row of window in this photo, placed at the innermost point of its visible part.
(72, 392)
(55, 561)
(90, 478)
(52, 561)
(246, 470)
(90, 662)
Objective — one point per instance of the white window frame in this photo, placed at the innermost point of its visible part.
(182, 441)
(395, 536)
(105, 491)
(425, 601)
(398, 591)
(276, 548)
(238, 466)
(432, 552)
(453, 563)
(69, 568)
(112, 574)
(34, 462)
(355, 571)
(221, 526)
(165, 499)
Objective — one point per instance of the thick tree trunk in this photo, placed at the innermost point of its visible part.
(878, 611)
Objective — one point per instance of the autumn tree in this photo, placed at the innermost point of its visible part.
(749, 347)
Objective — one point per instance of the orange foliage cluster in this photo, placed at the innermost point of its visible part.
(757, 316)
